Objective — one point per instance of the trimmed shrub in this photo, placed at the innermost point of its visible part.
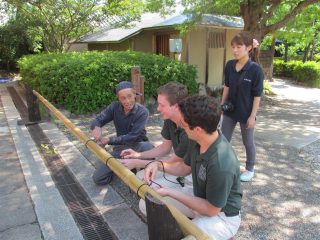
(290, 67)
(307, 73)
(279, 67)
(84, 81)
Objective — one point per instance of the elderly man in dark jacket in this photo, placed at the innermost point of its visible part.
(129, 119)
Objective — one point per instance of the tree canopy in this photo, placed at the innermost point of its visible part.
(260, 17)
(59, 22)
(14, 43)
(302, 34)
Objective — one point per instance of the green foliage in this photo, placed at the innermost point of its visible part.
(267, 89)
(291, 67)
(266, 43)
(260, 17)
(285, 69)
(307, 73)
(279, 67)
(302, 34)
(15, 41)
(216, 7)
(119, 9)
(84, 81)
(60, 22)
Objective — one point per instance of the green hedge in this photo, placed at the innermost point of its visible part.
(307, 73)
(83, 82)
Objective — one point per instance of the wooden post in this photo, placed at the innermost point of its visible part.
(33, 106)
(161, 224)
(142, 79)
(266, 62)
(136, 80)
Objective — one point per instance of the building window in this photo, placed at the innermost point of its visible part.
(162, 44)
(216, 40)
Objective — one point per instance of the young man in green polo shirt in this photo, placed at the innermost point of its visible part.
(214, 201)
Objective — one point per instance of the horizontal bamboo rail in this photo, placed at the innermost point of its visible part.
(187, 227)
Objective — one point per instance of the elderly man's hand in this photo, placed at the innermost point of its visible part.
(129, 153)
(96, 133)
(103, 141)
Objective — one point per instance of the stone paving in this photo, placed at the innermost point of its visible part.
(18, 219)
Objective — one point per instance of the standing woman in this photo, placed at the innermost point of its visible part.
(243, 87)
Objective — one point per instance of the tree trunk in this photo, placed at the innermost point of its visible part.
(286, 49)
(314, 45)
(256, 13)
(273, 47)
(8, 66)
(251, 13)
(311, 56)
(306, 51)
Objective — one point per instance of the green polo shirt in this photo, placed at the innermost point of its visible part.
(177, 136)
(216, 175)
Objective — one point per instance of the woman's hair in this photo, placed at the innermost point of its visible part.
(245, 38)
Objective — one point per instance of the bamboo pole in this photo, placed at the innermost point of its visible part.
(130, 179)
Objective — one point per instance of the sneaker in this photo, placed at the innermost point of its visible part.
(246, 176)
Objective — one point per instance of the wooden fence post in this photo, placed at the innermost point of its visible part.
(142, 79)
(266, 62)
(33, 106)
(137, 82)
(161, 224)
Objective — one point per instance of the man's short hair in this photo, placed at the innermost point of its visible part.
(174, 91)
(201, 111)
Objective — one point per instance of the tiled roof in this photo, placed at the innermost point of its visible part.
(155, 20)
(222, 21)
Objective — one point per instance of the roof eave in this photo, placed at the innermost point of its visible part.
(162, 27)
(224, 27)
(117, 41)
(131, 35)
